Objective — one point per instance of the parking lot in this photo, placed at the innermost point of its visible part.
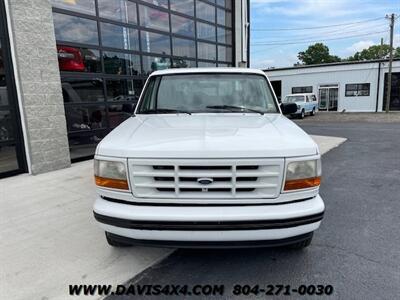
(357, 248)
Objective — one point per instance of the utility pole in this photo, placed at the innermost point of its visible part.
(389, 82)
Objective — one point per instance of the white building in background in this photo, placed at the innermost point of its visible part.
(350, 86)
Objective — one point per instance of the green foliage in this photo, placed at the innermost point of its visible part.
(317, 54)
(375, 52)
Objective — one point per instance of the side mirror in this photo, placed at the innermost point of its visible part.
(288, 108)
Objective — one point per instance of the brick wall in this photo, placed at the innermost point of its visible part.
(41, 95)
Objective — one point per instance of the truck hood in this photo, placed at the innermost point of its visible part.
(207, 136)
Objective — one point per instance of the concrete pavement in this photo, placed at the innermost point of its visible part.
(327, 143)
(49, 238)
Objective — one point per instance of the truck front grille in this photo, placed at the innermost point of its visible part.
(224, 178)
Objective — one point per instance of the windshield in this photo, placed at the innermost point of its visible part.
(216, 93)
(291, 99)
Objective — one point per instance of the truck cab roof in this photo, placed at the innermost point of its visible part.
(208, 70)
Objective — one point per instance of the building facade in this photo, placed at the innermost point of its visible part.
(349, 86)
(72, 70)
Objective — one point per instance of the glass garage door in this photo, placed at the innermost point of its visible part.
(107, 48)
(12, 160)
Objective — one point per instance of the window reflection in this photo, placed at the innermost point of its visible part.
(224, 17)
(151, 64)
(120, 112)
(85, 117)
(82, 6)
(75, 59)
(155, 43)
(97, 104)
(206, 31)
(153, 18)
(183, 47)
(119, 10)
(10, 143)
(223, 65)
(3, 95)
(121, 63)
(8, 158)
(220, 3)
(162, 3)
(183, 6)
(224, 53)
(119, 37)
(77, 90)
(183, 63)
(183, 26)
(83, 143)
(224, 36)
(203, 64)
(3, 87)
(75, 29)
(206, 51)
(205, 11)
(6, 127)
(123, 90)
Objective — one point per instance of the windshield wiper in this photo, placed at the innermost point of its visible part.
(235, 108)
(165, 111)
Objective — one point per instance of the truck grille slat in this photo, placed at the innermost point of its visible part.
(228, 178)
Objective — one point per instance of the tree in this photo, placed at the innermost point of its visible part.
(374, 52)
(317, 54)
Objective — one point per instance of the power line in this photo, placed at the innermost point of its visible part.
(316, 27)
(319, 40)
(340, 30)
(325, 34)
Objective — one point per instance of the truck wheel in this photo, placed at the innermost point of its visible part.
(302, 114)
(302, 244)
(313, 112)
(114, 242)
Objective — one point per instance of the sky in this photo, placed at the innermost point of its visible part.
(266, 49)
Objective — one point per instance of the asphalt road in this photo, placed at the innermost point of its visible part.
(356, 249)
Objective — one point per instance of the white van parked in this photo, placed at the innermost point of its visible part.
(208, 160)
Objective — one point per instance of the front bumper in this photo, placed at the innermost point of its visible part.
(213, 244)
(210, 224)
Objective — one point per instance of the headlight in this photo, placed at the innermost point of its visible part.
(303, 174)
(110, 174)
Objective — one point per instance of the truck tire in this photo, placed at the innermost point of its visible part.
(115, 243)
(302, 244)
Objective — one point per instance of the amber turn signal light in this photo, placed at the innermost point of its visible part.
(111, 183)
(297, 184)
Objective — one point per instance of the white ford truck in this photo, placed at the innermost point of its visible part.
(208, 160)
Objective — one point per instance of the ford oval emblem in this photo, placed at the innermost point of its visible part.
(205, 181)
